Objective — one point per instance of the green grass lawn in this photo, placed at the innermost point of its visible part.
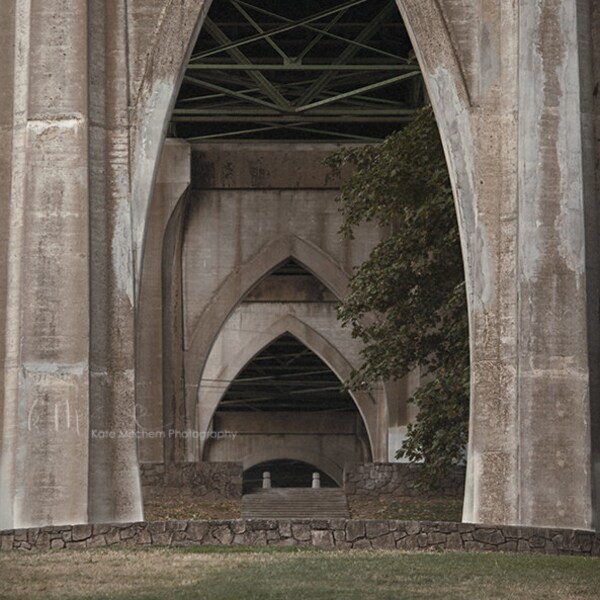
(241, 573)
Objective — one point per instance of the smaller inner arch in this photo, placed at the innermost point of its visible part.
(286, 376)
(290, 282)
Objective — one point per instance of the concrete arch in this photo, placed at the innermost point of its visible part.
(444, 77)
(316, 459)
(158, 373)
(179, 27)
(240, 282)
(211, 391)
(165, 64)
(167, 59)
(491, 131)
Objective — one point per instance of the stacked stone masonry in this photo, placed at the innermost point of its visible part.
(320, 533)
(216, 481)
(223, 480)
(398, 480)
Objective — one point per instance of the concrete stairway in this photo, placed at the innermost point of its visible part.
(281, 503)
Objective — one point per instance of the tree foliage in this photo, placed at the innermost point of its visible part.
(407, 301)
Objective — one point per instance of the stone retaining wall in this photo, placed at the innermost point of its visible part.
(321, 533)
(210, 480)
(223, 480)
(398, 480)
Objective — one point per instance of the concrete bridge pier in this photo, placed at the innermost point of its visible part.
(512, 97)
(44, 460)
(86, 88)
(67, 267)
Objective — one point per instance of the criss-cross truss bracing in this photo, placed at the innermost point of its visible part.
(299, 71)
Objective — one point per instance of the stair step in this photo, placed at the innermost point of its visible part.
(295, 503)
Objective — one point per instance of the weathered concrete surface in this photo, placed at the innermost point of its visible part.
(513, 139)
(7, 37)
(114, 487)
(553, 363)
(592, 125)
(165, 55)
(69, 344)
(43, 469)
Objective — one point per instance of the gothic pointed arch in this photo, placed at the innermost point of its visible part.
(170, 49)
(217, 376)
(242, 280)
(443, 70)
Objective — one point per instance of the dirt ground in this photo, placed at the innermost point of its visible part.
(190, 507)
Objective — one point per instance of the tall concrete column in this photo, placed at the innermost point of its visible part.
(554, 374)
(530, 444)
(159, 337)
(7, 69)
(114, 483)
(529, 458)
(43, 468)
(593, 246)
(508, 83)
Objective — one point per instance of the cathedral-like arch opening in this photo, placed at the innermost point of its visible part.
(271, 89)
(287, 404)
(287, 376)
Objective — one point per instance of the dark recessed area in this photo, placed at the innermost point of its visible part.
(286, 376)
(299, 71)
(284, 473)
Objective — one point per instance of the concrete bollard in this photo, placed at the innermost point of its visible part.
(316, 480)
(266, 480)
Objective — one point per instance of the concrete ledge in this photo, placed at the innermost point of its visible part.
(321, 533)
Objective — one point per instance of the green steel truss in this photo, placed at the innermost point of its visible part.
(307, 70)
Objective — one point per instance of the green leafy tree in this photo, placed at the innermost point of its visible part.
(407, 301)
